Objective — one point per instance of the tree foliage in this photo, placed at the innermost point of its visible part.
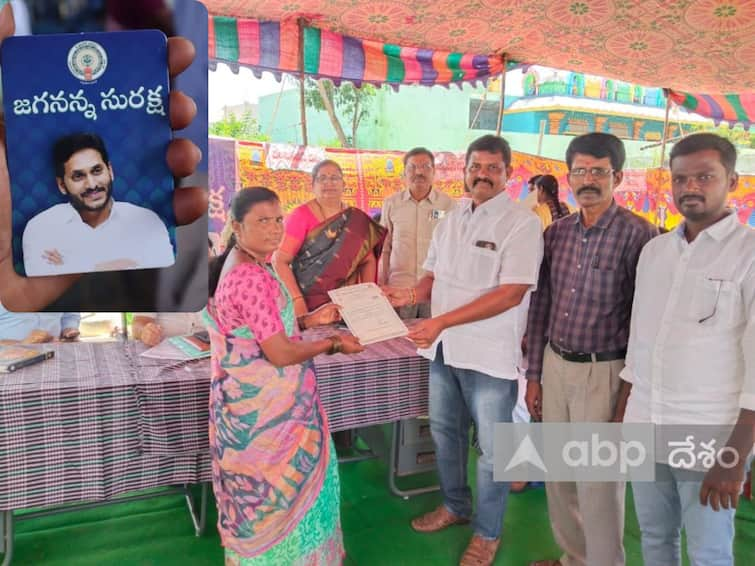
(737, 135)
(351, 103)
(244, 128)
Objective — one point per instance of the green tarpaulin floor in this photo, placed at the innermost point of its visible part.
(375, 523)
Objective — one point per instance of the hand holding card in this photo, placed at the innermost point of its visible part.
(91, 189)
(22, 294)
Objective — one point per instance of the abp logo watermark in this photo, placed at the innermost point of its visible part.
(574, 452)
(613, 452)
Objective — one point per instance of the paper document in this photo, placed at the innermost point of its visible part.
(179, 348)
(367, 313)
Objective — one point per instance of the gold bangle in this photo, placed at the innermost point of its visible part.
(335, 344)
(297, 297)
(413, 295)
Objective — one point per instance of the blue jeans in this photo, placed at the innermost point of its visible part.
(457, 397)
(664, 507)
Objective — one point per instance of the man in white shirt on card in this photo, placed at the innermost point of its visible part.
(93, 231)
(691, 355)
(482, 266)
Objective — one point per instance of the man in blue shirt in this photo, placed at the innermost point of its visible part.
(39, 327)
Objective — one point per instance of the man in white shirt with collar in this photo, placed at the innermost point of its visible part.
(691, 354)
(482, 266)
(411, 216)
(93, 231)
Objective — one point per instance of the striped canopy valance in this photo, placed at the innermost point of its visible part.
(730, 108)
(274, 46)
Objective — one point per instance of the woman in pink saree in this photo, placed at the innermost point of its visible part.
(327, 244)
(275, 473)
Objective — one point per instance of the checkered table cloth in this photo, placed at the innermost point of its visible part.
(385, 383)
(98, 420)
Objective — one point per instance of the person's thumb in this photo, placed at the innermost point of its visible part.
(7, 23)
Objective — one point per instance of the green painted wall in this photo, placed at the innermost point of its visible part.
(436, 117)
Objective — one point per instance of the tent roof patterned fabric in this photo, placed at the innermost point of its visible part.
(274, 46)
(690, 45)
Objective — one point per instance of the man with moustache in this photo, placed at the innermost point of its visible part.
(93, 231)
(691, 356)
(480, 269)
(411, 216)
(577, 334)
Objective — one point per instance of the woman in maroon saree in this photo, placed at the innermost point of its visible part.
(327, 245)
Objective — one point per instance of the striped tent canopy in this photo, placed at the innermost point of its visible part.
(274, 46)
(690, 46)
(730, 108)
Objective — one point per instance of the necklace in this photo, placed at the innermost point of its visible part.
(322, 210)
(250, 255)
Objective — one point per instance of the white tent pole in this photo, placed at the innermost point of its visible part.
(665, 126)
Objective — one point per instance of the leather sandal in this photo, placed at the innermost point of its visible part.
(436, 520)
(480, 552)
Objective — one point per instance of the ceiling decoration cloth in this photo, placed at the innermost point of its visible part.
(691, 46)
(729, 108)
(695, 46)
(274, 46)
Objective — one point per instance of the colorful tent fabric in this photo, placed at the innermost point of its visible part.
(274, 46)
(730, 108)
(691, 46)
(371, 176)
(269, 46)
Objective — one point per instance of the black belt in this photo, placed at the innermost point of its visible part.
(583, 357)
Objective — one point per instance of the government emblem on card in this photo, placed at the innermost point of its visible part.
(87, 61)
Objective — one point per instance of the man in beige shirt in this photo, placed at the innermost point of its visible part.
(410, 217)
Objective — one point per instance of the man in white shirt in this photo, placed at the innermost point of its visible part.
(691, 354)
(482, 265)
(411, 216)
(92, 232)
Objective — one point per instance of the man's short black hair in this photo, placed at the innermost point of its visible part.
(706, 140)
(598, 144)
(66, 146)
(419, 151)
(491, 144)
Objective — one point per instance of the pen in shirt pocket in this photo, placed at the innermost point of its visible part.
(719, 284)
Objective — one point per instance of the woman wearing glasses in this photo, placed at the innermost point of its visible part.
(327, 244)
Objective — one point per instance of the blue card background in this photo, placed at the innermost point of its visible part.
(136, 141)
